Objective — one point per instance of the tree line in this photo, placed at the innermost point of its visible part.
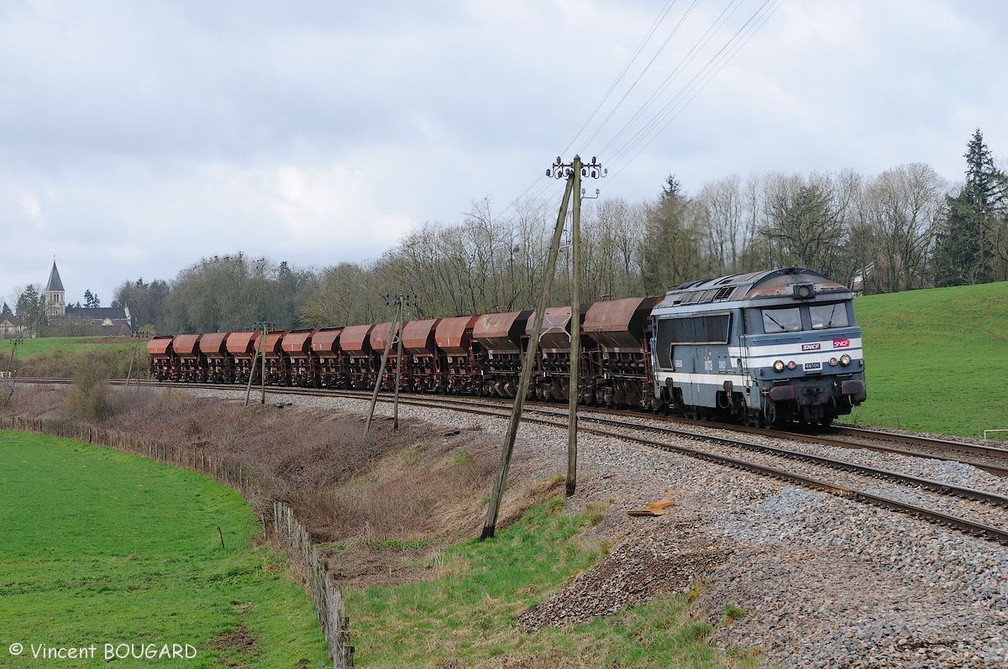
(905, 228)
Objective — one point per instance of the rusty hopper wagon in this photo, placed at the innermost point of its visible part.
(325, 347)
(552, 381)
(461, 354)
(302, 365)
(277, 364)
(425, 362)
(163, 363)
(501, 336)
(191, 367)
(358, 360)
(619, 363)
(241, 348)
(217, 364)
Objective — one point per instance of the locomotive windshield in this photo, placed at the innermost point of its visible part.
(826, 316)
(782, 320)
(814, 316)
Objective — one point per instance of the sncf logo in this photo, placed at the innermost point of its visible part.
(811, 347)
(840, 342)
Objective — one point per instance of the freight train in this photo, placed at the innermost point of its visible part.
(761, 348)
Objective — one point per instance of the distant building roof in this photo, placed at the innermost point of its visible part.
(97, 313)
(54, 279)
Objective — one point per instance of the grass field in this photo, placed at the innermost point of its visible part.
(61, 357)
(29, 348)
(935, 359)
(465, 617)
(101, 548)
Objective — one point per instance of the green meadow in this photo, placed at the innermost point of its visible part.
(29, 348)
(935, 359)
(100, 547)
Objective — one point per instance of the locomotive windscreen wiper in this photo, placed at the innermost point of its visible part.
(782, 328)
(832, 311)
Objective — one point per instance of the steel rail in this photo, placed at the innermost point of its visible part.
(480, 407)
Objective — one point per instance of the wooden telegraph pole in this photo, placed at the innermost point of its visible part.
(575, 329)
(11, 373)
(262, 358)
(135, 360)
(395, 332)
(573, 173)
(260, 354)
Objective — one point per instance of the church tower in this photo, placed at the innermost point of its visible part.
(55, 305)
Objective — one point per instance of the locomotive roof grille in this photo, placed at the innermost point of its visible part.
(792, 283)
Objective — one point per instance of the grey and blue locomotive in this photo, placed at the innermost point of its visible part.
(764, 347)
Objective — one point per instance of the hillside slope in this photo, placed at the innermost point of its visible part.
(936, 360)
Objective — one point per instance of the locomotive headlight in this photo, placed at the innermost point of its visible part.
(778, 366)
(791, 364)
(844, 359)
(833, 362)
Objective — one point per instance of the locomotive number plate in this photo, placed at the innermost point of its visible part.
(813, 366)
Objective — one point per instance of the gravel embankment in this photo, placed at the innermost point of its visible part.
(824, 582)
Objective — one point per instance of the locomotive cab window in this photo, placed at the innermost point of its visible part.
(825, 316)
(782, 320)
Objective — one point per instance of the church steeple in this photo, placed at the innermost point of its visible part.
(54, 294)
(54, 280)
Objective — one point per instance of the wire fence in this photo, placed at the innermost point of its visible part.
(282, 525)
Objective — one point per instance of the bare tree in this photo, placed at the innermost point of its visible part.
(806, 219)
(900, 210)
(720, 208)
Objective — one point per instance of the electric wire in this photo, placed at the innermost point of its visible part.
(645, 134)
(698, 89)
(672, 34)
(688, 58)
(626, 67)
(688, 92)
(543, 187)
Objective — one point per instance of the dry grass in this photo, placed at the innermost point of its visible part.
(386, 503)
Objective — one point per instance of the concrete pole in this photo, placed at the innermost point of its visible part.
(526, 376)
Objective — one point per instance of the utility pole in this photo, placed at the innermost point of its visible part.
(262, 357)
(12, 369)
(526, 374)
(248, 388)
(395, 332)
(138, 335)
(398, 369)
(574, 171)
(260, 354)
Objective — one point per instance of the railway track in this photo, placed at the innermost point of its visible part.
(726, 449)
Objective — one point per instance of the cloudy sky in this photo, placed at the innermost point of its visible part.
(137, 137)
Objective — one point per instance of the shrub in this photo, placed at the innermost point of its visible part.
(88, 396)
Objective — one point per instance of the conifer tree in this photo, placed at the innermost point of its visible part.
(967, 247)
